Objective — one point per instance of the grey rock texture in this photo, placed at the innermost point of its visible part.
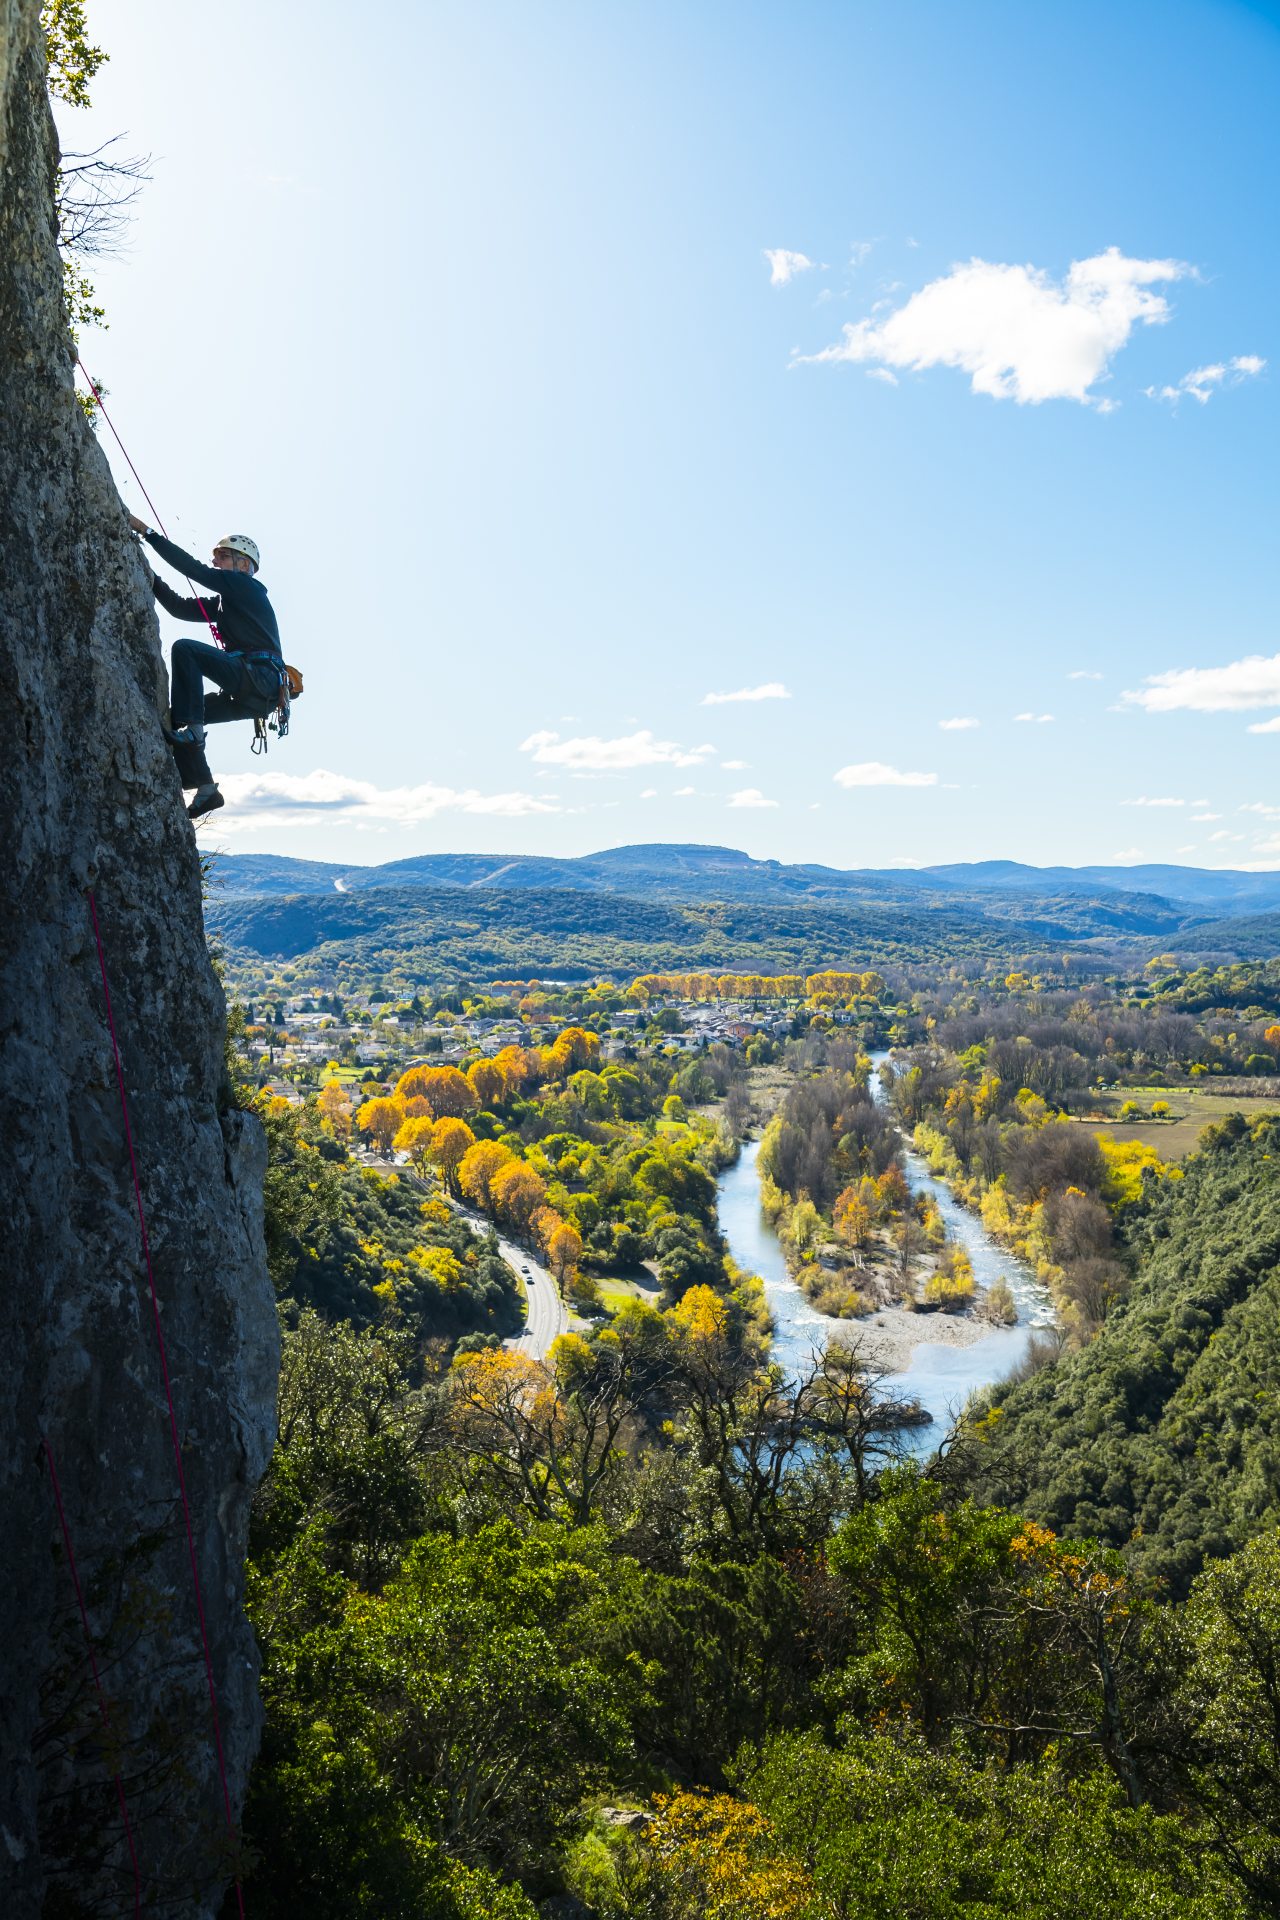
(92, 803)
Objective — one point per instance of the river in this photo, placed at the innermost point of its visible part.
(940, 1377)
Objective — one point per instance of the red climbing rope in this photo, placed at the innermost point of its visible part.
(97, 397)
(97, 1677)
(168, 1389)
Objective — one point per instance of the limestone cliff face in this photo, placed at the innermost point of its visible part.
(91, 803)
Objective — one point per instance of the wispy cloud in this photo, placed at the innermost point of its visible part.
(1033, 719)
(734, 766)
(1016, 331)
(589, 754)
(1143, 801)
(1264, 726)
(257, 800)
(769, 690)
(961, 724)
(1201, 818)
(874, 773)
(749, 797)
(1251, 682)
(784, 264)
(1083, 673)
(1203, 382)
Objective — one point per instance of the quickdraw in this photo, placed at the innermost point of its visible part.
(278, 722)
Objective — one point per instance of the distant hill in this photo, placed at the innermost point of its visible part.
(1080, 902)
(1226, 891)
(1246, 937)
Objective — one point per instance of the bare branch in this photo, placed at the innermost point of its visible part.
(95, 191)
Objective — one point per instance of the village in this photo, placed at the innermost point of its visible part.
(296, 1042)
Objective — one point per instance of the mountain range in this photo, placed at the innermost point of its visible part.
(1131, 899)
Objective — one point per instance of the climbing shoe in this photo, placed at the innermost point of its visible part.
(205, 801)
(184, 736)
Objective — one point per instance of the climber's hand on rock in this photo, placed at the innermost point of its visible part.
(139, 526)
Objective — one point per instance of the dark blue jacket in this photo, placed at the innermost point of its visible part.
(238, 605)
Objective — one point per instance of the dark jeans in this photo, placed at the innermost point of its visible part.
(247, 693)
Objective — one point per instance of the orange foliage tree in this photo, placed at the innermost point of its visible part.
(445, 1090)
(517, 1192)
(451, 1141)
(477, 1168)
(414, 1138)
(334, 1104)
(381, 1118)
(487, 1081)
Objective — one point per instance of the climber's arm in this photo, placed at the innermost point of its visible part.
(196, 570)
(178, 604)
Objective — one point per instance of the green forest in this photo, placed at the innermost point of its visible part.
(411, 935)
(646, 1628)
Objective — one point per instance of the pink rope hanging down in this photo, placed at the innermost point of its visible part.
(168, 1390)
(97, 1677)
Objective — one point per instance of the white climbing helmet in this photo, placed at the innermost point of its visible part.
(241, 543)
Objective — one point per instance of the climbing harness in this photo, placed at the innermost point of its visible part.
(168, 1391)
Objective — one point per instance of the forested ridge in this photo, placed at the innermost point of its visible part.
(1162, 1435)
(421, 933)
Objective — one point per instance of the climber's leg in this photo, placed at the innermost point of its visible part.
(192, 662)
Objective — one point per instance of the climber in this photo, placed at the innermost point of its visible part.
(248, 667)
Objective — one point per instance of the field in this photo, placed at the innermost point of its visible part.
(1193, 1109)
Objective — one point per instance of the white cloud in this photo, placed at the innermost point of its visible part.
(321, 798)
(1224, 834)
(589, 754)
(749, 797)
(650, 793)
(1082, 673)
(882, 373)
(1128, 855)
(1251, 682)
(1203, 382)
(784, 264)
(771, 690)
(1143, 801)
(1200, 818)
(961, 724)
(1262, 807)
(1018, 333)
(734, 766)
(1264, 726)
(874, 773)
(1033, 719)
(683, 793)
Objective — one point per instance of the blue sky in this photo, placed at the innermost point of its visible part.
(491, 327)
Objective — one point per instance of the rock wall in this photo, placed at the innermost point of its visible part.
(92, 804)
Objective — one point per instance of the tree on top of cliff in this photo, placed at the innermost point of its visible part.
(94, 190)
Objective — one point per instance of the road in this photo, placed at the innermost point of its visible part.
(547, 1317)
